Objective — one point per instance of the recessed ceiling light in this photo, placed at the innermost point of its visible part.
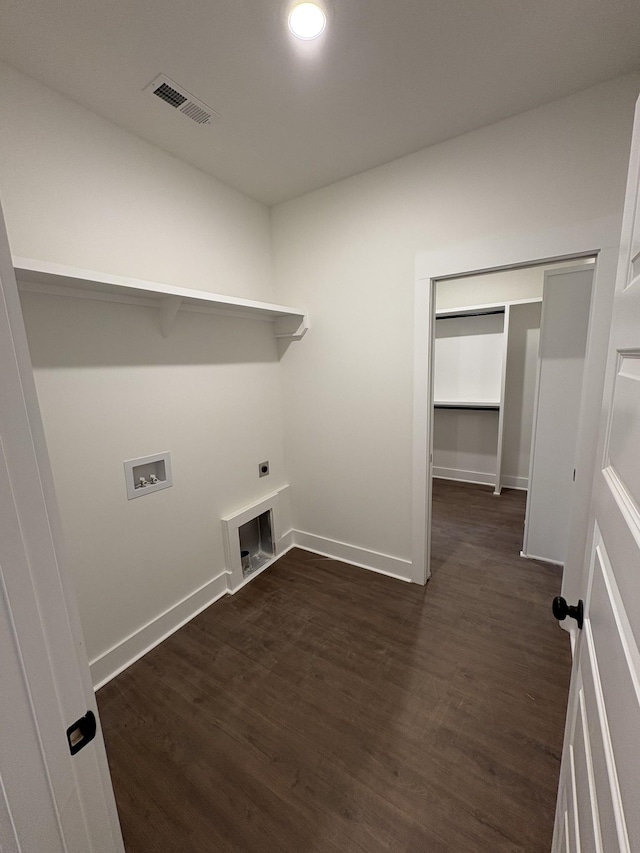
(307, 21)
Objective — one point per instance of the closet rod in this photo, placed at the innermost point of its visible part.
(479, 313)
(494, 407)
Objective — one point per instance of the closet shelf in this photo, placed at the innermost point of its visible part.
(469, 312)
(481, 310)
(467, 404)
(60, 280)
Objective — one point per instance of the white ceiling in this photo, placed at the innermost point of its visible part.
(387, 78)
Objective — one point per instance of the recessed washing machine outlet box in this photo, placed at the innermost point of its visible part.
(148, 474)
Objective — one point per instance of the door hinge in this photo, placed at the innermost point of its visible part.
(81, 732)
(574, 475)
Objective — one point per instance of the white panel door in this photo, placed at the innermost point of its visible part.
(50, 801)
(599, 793)
(563, 341)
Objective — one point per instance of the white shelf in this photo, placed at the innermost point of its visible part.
(489, 405)
(453, 314)
(480, 310)
(60, 280)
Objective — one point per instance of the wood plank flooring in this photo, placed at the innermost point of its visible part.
(326, 708)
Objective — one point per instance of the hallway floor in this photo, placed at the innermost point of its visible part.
(327, 708)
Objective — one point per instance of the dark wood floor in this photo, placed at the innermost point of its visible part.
(327, 708)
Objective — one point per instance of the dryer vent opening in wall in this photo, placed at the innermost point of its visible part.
(256, 543)
(179, 99)
(251, 539)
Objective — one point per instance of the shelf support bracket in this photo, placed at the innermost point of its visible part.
(169, 307)
(294, 328)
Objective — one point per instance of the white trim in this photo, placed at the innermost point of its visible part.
(605, 735)
(599, 560)
(506, 324)
(540, 559)
(285, 543)
(363, 558)
(622, 621)
(231, 525)
(574, 800)
(625, 503)
(116, 659)
(583, 720)
(509, 482)
(119, 657)
(588, 238)
(480, 478)
(424, 323)
(280, 552)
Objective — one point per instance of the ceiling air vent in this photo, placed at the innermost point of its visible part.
(180, 100)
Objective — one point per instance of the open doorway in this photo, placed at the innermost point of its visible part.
(508, 364)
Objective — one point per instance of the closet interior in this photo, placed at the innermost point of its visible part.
(509, 350)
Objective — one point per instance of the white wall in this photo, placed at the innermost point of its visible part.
(464, 445)
(80, 191)
(467, 291)
(112, 388)
(77, 190)
(347, 253)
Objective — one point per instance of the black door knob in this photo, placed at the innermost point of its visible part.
(561, 610)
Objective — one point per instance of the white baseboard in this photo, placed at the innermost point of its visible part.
(509, 482)
(114, 661)
(284, 544)
(384, 564)
(123, 654)
(541, 559)
(480, 478)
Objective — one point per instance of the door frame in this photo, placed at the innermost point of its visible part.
(599, 238)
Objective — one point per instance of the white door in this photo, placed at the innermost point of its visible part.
(564, 327)
(599, 795)
(50, 800)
